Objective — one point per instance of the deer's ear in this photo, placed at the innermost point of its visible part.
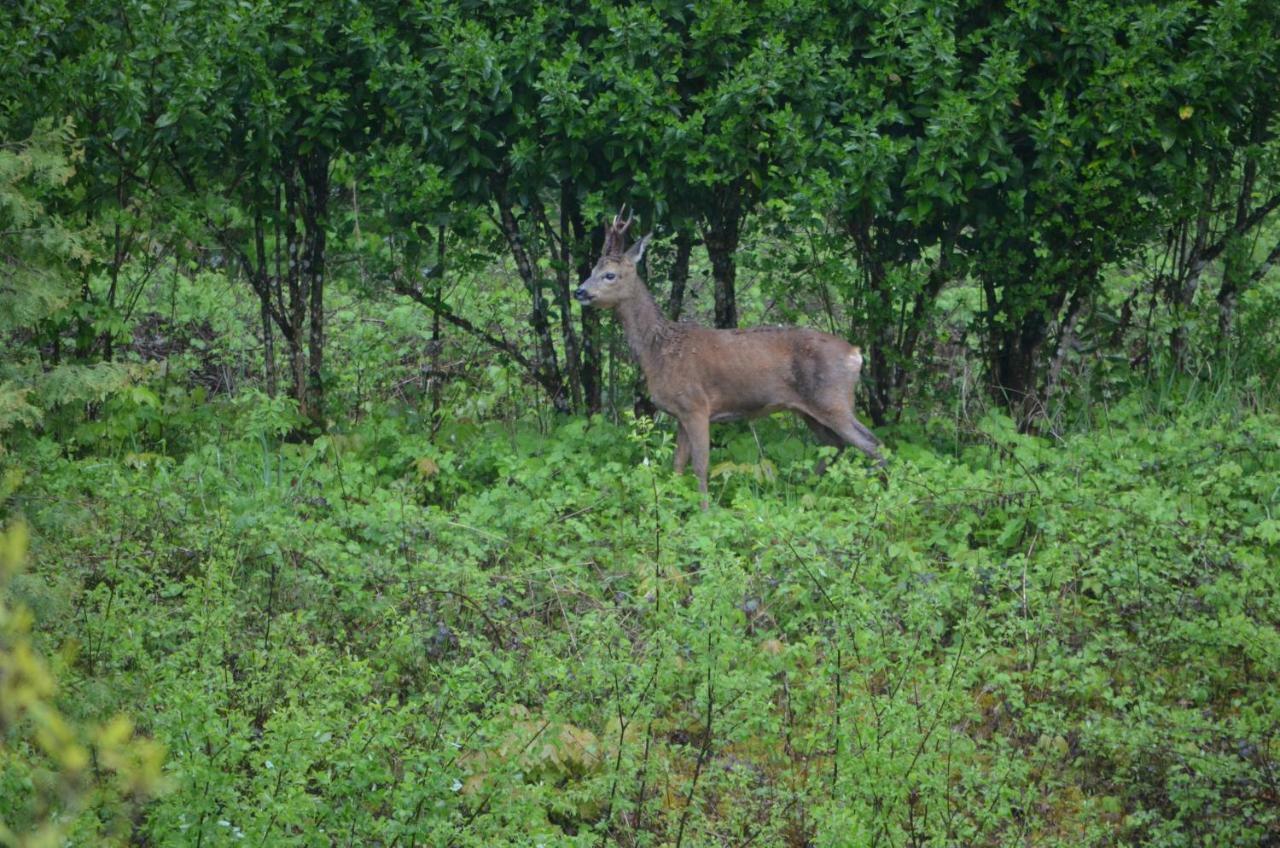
(636, 252)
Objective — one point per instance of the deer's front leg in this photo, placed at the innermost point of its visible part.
(682, 448)
(697, 431)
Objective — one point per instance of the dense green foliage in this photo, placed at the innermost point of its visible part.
(1030, 150)
(336, 499)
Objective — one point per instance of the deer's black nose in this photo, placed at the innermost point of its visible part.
(581, 295)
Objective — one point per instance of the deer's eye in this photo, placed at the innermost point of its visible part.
(610, 276)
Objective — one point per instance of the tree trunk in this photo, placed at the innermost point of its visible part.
(563, 263)
(295, 280)
(724, 271)
(262, 286)
(1233, 271)
(108, 337)
(298, 373)
(1015, 361)
(437, 342)
(268, 350)
(84, 327)
(436, 382)
(1066, 340)
(894, 316)
(680, 273)
(591, 361)
(913, 326)
(882, 340)
(586, 246)
(539, 319)
(315, 216)
(876, 336)
(723, 229)
(1014, 370)
(1190, 265)
(121, 247)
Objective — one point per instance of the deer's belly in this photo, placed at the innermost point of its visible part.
(722, 408)
(748, 412)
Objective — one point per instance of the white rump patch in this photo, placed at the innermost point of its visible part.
(855, 359)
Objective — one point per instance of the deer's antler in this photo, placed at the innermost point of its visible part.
(615, 233)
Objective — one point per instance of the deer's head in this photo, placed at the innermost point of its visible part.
(614, 279)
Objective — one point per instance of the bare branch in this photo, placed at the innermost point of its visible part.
(502, 345)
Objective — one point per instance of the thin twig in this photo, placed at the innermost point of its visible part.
(706, 744)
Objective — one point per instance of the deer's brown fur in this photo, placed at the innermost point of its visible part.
(700, 375)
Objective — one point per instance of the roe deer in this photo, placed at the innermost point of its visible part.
(701, 375)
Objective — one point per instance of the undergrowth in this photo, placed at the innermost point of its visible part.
(505, 634)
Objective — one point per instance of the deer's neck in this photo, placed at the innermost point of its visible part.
(645, 328)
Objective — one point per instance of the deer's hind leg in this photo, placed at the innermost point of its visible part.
(682, 448)
(851, 431)
(825, 436)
